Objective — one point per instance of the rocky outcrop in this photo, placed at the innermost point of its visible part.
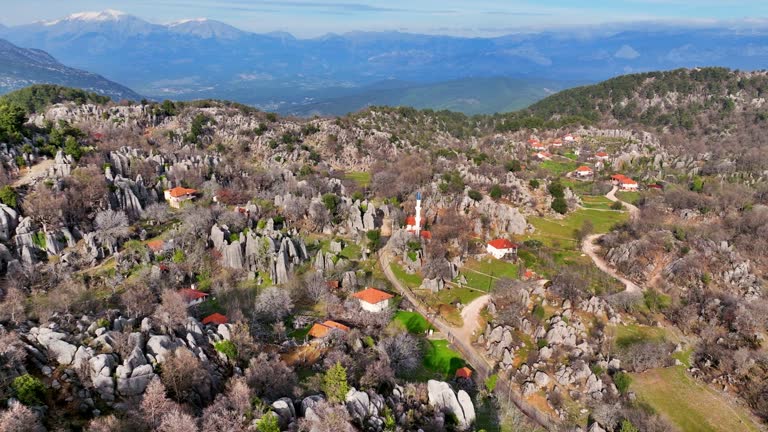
(442, 397)
(9, 219)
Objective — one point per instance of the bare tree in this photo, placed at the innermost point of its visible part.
(177, 421)
(19, 418)
(184, 375)
(315, 286)
(329, 418)
(112, 226)
(273, 304)
(138, 299)
(12, 308)
(155, 403)
(45, 206)
(172, 310)
(230, 411)
(403, 351)
(156, 213)
(270, 377)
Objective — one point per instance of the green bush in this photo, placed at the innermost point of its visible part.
(496, 192)
(475, 195)
(513, 165)
(227, 348)
(28, 390)
(179, 256)
(627, 426)
(622, 381)
(559, 205)
(330, 201)
(538, 312)
(490, 383)
(617, 205)
(268, 423)
(8, 196)
(534, 184)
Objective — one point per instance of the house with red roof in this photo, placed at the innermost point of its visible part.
(557, 142)
(538, 146)
(569, 138)
(624, 182)
(584, 171)
(542, 155)
(464, 372)
(192, 296)
(601, 155)
(321, 330)
(156, 246)
(499, 248)
(215, 319)
(373, 300)
(178, 195)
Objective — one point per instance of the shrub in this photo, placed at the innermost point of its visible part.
(496, 192)
(475, 195)
(8, 196)
(268, 423)
(28, 389)
(538, 312)
(622, 381)
(227, 348)
(513, 165)
(330, 201)
(490, 383)
(179, 256)
(617, 205)
(559, 205)
(627, 426)
(534, 184)
(533, 244)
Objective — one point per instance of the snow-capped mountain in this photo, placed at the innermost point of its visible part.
(21, 67)
(205, 28)
(109, 22)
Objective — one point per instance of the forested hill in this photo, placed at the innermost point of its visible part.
(36, 97)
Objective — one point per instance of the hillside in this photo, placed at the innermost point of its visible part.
(21, 67)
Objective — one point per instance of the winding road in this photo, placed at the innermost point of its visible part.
(590, 248)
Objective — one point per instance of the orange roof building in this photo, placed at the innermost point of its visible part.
(584, 171)
(373, 300)
(178, 195)
(499, 248)
(321, 330)
(215, 318)
(156, 245)
(464, 372)
(192, 296)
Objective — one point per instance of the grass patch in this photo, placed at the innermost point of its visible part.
(454, 294)
(596, 202)
(560, 234)
(631, 334)
(687, 404)
(441, 359)
(628, 196)
(362, 178)
(410, 280)
(559, 168)
(478, 273)
(414, 322)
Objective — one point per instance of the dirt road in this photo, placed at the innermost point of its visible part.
(590, 248)
(34, 173)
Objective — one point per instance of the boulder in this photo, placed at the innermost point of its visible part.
(62, 351)
(284, 408)
(541, 379)
(467, 406)
(442, 397)
(160, 346)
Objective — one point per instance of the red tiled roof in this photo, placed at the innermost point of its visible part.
(464, 372)
(190, 294)
(426, 235)
(627, 180)
(529, 274)
(601, 154)
(502, 244)
(372, 295)
(215, 318)
(321, 330)
(619, 177)
(584, 168)
(180, 192)
(410, 220)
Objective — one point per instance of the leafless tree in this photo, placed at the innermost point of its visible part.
(403, 351)
(235, 221)
(19, 418)
(184, 375)
(12, 308)
(177, 421)
(230, 410)
(155, 403)
(45, 206)
(318, 215)
(377, 373)
(315, 287)
(273, 304)
(172, 310)
(270, 377)
(156, 213)
(138, 299)
(108, 423)
(330, 418)
(112, 226)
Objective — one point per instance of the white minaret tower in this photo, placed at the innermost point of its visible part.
(418, 213)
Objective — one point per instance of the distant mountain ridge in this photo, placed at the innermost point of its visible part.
(21, 67)
(202, 58)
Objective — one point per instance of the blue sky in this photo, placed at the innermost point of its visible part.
(307, 18)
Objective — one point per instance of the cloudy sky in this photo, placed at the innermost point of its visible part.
(306, 18)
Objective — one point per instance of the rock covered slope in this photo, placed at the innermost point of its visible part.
(20, 67)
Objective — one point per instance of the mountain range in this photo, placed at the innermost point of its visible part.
(21, 67)
(202, 58)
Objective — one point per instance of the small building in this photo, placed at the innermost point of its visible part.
(215, 319)
(538, 146)
(499, 248)
(543, 156)
(569, 139)
(584, 171)
(373, 300)
(601, 155)
(557, 142)
(156, 246)
(624, 182)
(464, 372)
(321, 330)
(179, 195)
(192, 296)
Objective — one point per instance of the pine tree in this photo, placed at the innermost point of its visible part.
(335, 383)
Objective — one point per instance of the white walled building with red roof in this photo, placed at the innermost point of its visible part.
(499, 248)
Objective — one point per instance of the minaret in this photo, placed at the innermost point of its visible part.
(418, 213)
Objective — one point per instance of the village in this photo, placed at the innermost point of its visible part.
(443, 299)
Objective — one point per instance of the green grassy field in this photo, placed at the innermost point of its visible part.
(563, 230)
(362, 178)
(596, 202)
(453, 294)
(411, 321)
(441, 359)
(478, 273)
(630, 197)
(559, 166)
(410, 280)
(689, 405)
(626, 335)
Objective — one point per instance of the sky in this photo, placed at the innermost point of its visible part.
(308, 18)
